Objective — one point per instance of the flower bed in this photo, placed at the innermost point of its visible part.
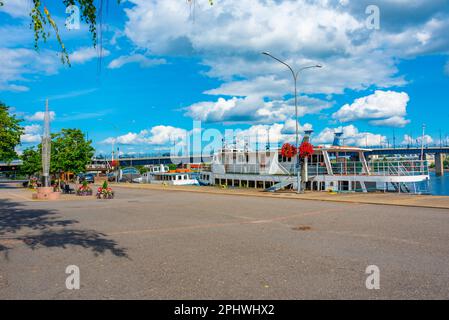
(33, 183)
(84, 190)
(105, 192)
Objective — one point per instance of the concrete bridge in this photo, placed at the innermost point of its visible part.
(437, 151)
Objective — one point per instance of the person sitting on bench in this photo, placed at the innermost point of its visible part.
(67, 189)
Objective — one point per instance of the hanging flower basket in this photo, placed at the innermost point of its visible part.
(305, 150)
(288, 150)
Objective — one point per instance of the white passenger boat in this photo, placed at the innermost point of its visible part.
(162, 175)
(151, 171)
(332, 168)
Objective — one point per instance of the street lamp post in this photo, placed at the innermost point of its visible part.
(295, 78)
(113, 142)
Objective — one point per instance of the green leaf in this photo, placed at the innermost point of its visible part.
(10, 132)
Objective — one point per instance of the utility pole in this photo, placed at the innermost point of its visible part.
(268, 142)
(394, 139)
(422, 141)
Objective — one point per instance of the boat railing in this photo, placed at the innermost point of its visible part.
(243, 168)
(399, 167)
(379, 168)
(382, 168)
(347, 168)
(315, 169)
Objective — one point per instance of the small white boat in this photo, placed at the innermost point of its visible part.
(162, 175)
(148, 176)
(175, 179)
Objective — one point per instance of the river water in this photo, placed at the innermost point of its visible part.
(439, 185)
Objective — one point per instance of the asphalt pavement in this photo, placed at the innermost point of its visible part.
(153, 244)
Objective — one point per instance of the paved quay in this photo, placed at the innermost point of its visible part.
(423, 201)
(154, 244)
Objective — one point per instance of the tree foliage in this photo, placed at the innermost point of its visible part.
(71, 152)
(10, 132)
(31, 158)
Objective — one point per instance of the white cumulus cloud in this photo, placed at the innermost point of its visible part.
(17, 8)
(86, 54)
(253, 109)
(351, 137)
(32, 134)
(384, 107)
(157, 135)
(39, 116)
(408, 140)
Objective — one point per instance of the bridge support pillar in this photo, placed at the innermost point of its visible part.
(439, 166)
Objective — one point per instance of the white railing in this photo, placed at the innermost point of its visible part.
(399, 168)
(244, 168)
(382, 168)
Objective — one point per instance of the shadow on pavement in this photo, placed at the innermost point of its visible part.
(15, 217)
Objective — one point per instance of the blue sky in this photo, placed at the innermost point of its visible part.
(162, 69)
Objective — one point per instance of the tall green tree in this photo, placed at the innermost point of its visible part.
(70, 151)
(10, 132)
(32, 161)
